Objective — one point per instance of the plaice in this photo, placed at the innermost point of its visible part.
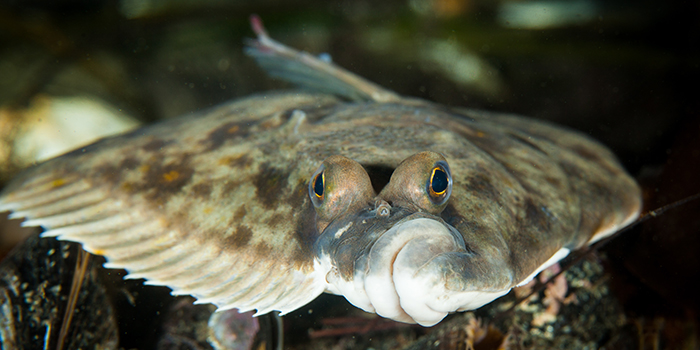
(266, 202)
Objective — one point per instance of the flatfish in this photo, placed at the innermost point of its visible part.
(408, 209)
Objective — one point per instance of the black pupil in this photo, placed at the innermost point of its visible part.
(439, 182)
(318, 185)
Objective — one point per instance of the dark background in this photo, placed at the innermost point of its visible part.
(624, 72)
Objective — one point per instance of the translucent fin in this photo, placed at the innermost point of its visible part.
(175, 269)
(94, 230)
(143, 242)
(42, 196)
(96, 211)
(62, 206)
(241, 291)
(308, 71)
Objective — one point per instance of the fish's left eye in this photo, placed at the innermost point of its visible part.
(439, 184)
(422, 182)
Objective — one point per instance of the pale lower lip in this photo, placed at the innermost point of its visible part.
(424, 238)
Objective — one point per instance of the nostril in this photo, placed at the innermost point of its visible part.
(383, 209)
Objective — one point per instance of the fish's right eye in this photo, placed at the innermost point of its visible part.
(318, 186)
(339, 185)
(422, 182)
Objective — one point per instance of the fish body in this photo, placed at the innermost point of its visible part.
(407, 208)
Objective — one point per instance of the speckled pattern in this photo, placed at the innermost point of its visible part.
(216, 203)
(268, 201)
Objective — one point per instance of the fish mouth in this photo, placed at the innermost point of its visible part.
(401, 262)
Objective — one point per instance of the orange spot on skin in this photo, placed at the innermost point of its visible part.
(144, 168)
(233, 129)
(226, 160)
(480, 134)
(171, 176)
(208, 210)
(58, 183)
(98, 252)
(235, 160)
(127, 187)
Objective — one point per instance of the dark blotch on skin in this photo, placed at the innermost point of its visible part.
(489, 144)
(156, 145)
(521, 178)
(202, 190)
(305, 234)
(482, 185)
(536, 220)
(536, 217)
(230, 188)
(163, 181)
(585, 153)
(228, 131)
(109, 173)
(298, 196)
(571, 170)
(270, 183)
(240, 237)
(527, 143)
(452, 216)
(263, 249)
(345, 255)
(276, 219)
(594, 157)
(601, 191)
(129, 163)
(240, 213)
(242, 161)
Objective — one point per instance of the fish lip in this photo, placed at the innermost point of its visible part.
(366, 228)
(365, 224)
(357, 254)
(423, 237)
(456, 235)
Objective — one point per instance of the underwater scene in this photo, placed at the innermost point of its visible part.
(416, 174)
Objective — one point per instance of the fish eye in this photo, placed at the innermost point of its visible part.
(421, 182)
(318, 186)
(340, 185)
(439, 184)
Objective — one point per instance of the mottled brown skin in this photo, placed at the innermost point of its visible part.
(235, 180)
(522, 189)
(212, 176)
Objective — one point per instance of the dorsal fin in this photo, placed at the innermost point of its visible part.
(310, 72)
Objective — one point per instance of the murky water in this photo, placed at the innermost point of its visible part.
(624, 73)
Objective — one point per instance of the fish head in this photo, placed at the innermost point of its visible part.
(387, 253)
